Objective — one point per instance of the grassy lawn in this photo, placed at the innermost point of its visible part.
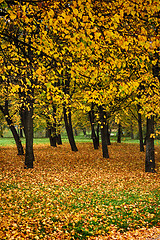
(79, 139)
(79, 195)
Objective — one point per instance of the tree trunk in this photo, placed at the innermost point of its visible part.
(21, 132)
(1, 132)
(27, 123)
(95, 137)
(17, 139)
(69, 129)
(150, 154)
(103, 120)
(140, 132)
(119, 133)
(104, 141)
(59, 139)
(52, 135)
(108, 135)
(5, 111)
(28, 129)
(52, 128)
(150, 157)
(16, 136)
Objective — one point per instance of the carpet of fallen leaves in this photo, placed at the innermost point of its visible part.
(79, 195)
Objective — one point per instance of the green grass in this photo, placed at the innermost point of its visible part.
(10, 141)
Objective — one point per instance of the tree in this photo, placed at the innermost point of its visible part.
(94, 133)
(4, 109)
(103, 119)
(150, 157)
(101, 48)
(18, 34)
(7, 110)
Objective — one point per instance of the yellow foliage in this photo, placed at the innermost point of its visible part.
(104, 47)
(12, 15)
(38, 71)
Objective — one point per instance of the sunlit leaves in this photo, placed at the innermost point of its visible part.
(98, 43)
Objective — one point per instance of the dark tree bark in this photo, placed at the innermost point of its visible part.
(94, 137)
(150, 157)
(119, 133)
(26, 114)
(140, 131)
(97, 135)
(69, 129)
(52, 128)
(29, 156)
(16, 137)
(21, 132)
(5, 111)
(67, 111)
(104, 141)
(103, 119)
(94, 134)
(1, 132)
(52, 136)
(27, 122)
(59, 139)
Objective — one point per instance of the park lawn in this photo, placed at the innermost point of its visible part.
(79, 195)
(9, 141)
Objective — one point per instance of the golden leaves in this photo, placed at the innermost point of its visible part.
(75, 12)
(99, 43)
(69, 193)
(51, 14)
(97, 35)
(12, 15)
(38, 71)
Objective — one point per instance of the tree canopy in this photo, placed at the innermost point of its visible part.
(60, 52)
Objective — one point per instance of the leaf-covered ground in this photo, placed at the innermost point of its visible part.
(79, 195)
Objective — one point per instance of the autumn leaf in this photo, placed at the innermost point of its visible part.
(12, 16)
(78, 195)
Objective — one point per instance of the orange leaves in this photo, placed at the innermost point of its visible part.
(12, 16)
(97, 35)
(85, 18)
(70, 195)
(39, 71)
